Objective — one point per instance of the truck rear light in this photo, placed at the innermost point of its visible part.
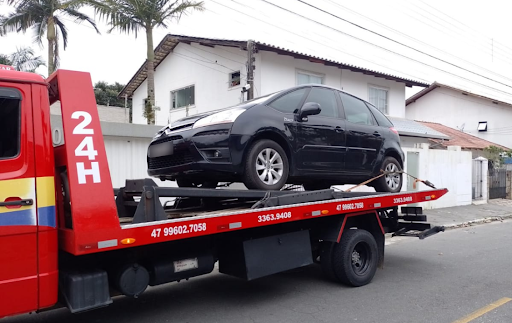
(394, 130)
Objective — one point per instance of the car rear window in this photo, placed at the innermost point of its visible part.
(289, 103)
(381, 118)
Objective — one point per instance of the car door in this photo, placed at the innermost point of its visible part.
(320, 139)
(364, 137)
(18, 216)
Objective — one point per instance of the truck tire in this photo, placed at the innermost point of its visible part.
(355, 258)
(266, 166)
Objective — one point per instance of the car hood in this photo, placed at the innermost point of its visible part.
(189, 121)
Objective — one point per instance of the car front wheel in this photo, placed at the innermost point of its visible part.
(391, 182)
(266, 166)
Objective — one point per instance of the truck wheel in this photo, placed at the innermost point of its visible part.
(266, 166)
(389, 183)
(326, 248)
(355, 258)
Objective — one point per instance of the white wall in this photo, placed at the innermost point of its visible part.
(127, 160)
(278, 72)
(204, 67)
(453, 109)
(451, 169)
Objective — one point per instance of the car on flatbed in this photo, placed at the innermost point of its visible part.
(312, 135)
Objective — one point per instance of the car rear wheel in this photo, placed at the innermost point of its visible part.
(391, 183)
(183, 182)
(266, 166)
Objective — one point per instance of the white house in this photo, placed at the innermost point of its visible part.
(195, 75)
(478, 115)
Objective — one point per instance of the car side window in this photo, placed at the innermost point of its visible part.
(289, 103)
(382, 120)
(10, 116)
(327, 100)
(356, 110)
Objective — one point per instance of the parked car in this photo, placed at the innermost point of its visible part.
(312, 135)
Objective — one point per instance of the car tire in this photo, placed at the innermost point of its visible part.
(183, 182)
(389, 183)
(355, 258)
(316, 186)
(265, 157)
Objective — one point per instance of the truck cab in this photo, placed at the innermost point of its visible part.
(28, 234)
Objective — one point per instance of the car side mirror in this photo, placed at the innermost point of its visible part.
(309, 109)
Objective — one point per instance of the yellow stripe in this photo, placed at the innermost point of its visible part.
(45, 188)
(483, 310)
(21, 187)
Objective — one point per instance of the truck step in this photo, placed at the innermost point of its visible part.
(419, 230)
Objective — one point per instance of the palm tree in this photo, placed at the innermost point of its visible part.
(5, 60)
(131, 16)
(45, 17)
(24, 59)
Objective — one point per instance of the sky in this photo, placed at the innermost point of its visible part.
(465, 44)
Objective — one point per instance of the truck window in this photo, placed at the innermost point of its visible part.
(10, 120)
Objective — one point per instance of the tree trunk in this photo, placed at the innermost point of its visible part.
(51, 36)
(150, 70)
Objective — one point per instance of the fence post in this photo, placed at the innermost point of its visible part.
(509, 184)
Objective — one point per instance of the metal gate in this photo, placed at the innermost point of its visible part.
(497, 183)
(477, 180)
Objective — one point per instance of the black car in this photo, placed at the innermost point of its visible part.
(312, 135)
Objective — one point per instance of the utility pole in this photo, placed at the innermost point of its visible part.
(250, 69)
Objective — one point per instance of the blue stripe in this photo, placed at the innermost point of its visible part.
(23, 217)
(47, 216)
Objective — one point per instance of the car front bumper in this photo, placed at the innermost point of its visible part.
(203, 151)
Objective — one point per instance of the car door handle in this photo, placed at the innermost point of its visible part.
(376, 134)
(339, 129)
(19, 202)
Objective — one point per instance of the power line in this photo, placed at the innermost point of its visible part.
(210, 61)
(417, 40)
(469, 27)
(323, 44)
(206, 51)
(445, 29)
(400, 43)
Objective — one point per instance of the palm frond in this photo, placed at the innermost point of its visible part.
(63, 31)
(39, 31)
(24, 59)
(80, 17)
(177, 9)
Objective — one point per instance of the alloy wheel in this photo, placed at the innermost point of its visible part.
(392, 180)
(269, 166)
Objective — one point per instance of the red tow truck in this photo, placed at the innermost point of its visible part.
(68, 238)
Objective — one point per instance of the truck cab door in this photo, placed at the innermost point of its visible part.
(18, 216)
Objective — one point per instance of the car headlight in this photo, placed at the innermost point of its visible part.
(227, 116)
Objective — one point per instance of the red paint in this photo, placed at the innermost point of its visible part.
(357, 214)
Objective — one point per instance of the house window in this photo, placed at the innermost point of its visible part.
(309, 78)
(234, 79)
(183, 97)
(379, 98)
(10, 116)
(482, 126)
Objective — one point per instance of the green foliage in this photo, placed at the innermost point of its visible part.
(496, 155)
(23, 59)
(45, 18)
(106, 94)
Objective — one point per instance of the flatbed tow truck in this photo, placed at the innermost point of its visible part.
(67, 238)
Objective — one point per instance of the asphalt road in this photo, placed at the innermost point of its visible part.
(441, 279)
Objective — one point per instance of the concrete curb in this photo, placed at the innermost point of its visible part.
(477, 222)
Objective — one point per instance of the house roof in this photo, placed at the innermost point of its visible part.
(436, 85)
(459, 138)
(411, 128)
(170, 41)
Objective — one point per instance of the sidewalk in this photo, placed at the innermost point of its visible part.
(461, 216)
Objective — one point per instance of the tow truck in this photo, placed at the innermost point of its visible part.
(68, 238)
